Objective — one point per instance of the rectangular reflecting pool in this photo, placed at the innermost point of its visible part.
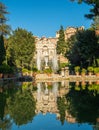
(49, 105)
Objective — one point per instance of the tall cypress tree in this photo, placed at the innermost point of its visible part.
(2, 50)
(4, 29)
(61, 44)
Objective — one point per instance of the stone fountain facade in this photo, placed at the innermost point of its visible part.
(46, 53)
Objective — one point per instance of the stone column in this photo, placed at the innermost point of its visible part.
(62, 72)
(66, 71)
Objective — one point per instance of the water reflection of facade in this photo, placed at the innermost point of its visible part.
(46, 97)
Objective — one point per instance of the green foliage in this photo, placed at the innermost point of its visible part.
(22, 46)
(24, 86)
(48, 71)
(63, 65)
(77, 68)
(90, 69)
(39, 71)
(34, 69)
(77, 88)
(83, 71)
(24, 70)
(2, 13)
(96, 70)
(4, 29)
(83, 49)
(10, 53)
(61, 44)
(6, 69)
(2, 50)
(72, 52)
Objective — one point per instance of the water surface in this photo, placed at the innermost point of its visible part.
(49, 106)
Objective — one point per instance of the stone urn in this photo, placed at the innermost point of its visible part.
(1, 75)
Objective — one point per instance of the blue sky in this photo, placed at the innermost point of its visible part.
(44, 17)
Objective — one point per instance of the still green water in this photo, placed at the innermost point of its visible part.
(49, 106)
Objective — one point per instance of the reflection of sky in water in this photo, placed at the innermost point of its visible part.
(49, 122)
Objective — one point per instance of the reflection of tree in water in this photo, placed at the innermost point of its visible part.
(6, 124)
(2, 105)
(22, 107)
(83, 104)
(6, 90)
(61, 107)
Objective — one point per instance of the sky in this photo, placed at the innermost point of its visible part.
(44, 17)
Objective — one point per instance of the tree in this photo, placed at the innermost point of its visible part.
(95, 26)
(2, 50)
(71, 51)
(61, 44)
(88, 48)
(93, 11)
(83, 49)
(21, 48)
(4, 29)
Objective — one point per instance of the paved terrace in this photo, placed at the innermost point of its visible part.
(57, 77)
